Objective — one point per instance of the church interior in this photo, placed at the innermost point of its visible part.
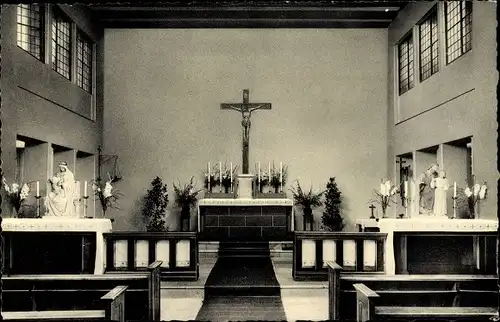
(265, 161)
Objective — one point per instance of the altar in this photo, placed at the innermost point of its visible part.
(245, 219)
(71, 245)
(426, 245)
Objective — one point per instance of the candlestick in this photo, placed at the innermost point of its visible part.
(269, 183)
(85, 206)
(37, 197)
(208, 186)
(220, 175)
(231, 177)
(258, 166)
(281, 176)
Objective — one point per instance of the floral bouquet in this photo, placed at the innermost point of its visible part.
(16, 193)
(214, 178)
(385, 195)
(185, 196)
(274, 177)
(104, 191)
(473, 195)
(226, 177)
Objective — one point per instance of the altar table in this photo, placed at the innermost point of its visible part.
(73, 226)
(245, 219)
(423, 225)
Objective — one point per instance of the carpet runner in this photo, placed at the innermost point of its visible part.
(242, 285)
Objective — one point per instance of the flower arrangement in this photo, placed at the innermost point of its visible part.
(384, 196)
(277, 178)
(104, 191)
(214, 178)
(16, 193)
(307, 200)
(186, 196)
(228, 175)
(473, 195)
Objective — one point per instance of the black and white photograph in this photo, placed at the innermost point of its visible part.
(249, 161)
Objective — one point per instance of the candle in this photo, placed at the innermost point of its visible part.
(208, 176)
(220, 175)
(37, 188)
(281, 176)
(231, 172)
(269, 174)
(455, 189)
(259, 171)
(406, 189)
(85, 189)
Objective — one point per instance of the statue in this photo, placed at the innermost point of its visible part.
(440, 186)
(59, 202)
(426, 203)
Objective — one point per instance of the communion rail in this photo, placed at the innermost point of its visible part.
(356, 252)
(134, 251)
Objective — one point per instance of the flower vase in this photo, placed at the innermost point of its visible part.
(226, 189)
(384, 212)
(14, 212)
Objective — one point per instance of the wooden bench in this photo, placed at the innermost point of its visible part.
(410, 290)
(371, 306)
(82, 291)
(111, 308)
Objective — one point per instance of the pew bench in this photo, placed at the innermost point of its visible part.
(372, 306)
(112, 304)
(82, 291)
(410, 290)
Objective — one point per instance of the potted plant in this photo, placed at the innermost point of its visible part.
(155, 205)
(185, 197)
(332, 219)
(308, 200)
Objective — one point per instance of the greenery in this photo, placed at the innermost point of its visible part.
(332, 219)
(155, 206)
(186, 196)
(306, 200)
(275, 176)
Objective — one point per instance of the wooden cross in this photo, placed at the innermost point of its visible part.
(372, 207)
(246, 110)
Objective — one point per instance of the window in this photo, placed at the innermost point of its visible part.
(458, 18)
(83, 62)
(61, 44)
(429, 60)
(405, 51)
(30, 29)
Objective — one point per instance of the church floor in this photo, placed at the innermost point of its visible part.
(301, 300)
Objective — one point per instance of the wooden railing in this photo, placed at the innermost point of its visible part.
(134, 251)
(356, 252)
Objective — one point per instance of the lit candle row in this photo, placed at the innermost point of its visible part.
(84, 189)
(220, 173)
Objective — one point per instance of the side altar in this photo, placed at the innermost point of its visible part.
(54, 245)
(430, 245)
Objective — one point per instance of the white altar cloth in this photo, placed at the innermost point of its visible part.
(422, 224)
(95, 225)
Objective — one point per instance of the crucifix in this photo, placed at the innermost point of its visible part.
(246, 110)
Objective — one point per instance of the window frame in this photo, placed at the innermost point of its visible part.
(461, 24)
(410, 66)
(41, 30)
(59, 16)
(85, 40)
(433, 47)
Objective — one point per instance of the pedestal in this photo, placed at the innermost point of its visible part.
(245, 186)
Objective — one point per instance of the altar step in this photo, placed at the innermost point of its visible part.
(279, 251)
(244, 249)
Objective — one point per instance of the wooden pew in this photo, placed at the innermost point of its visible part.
(409, 290)
(372, 306)
(79, 292)
(111, 308)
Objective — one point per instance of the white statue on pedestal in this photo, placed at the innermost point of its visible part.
(440, 186)
(59, 202)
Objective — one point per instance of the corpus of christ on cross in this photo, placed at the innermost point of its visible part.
(246, 110)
